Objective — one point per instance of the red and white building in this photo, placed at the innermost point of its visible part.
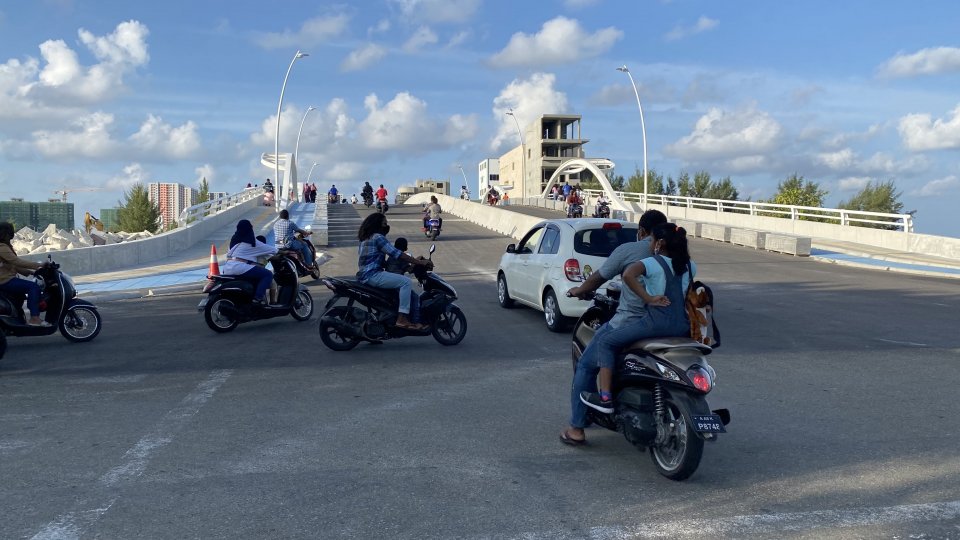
(172, 198)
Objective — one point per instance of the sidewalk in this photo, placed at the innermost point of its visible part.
(863, 256)
(185, 272)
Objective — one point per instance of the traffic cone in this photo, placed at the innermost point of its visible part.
(214, 265)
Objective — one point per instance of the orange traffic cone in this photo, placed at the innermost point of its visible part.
(214, 265)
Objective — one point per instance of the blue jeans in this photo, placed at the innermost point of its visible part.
(389, 280)
(17, 286)
(301, 247)
(263, 277)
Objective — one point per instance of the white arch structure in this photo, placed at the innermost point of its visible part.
(595, 166)
(288, 179)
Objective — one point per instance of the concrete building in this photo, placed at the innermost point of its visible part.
(214, 195)
(488, 172)
(172, 198)
(548, 142)
(38, 215)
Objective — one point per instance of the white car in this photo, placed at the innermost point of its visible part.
(554, 256)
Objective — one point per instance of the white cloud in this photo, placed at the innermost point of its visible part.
(936, 188)
(529, 98)
(205, 171)
(920, 132)
(702, 25)
(422, 37)
(382, 26)
(723, 134)
(62, 64)
(133, 173)
(839, 160)
(403, 124)
(438, 11)
(846, 161)
(930, 61)
(91, 139)
(854, 183)
(559, 41)
(163, 140)
(313, 32)
(458, 39)
(364, 57)
(126, 45)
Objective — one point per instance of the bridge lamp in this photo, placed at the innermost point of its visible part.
(643, 131)
(523, 152)
(276, 141)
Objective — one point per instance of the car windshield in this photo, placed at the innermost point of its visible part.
(601, 242)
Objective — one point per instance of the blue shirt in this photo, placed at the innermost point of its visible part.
(373, 253)
(283, 231)
(566, 190)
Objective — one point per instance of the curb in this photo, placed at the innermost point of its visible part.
(170, 290)
(881, 267)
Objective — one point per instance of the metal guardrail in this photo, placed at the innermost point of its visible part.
(903, 222)
(211, 208)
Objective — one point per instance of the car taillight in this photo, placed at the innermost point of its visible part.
(612, 225)
(571, 269)
(700, 379)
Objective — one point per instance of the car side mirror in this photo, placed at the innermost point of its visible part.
(511, 248)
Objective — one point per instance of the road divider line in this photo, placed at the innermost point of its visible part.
(71, 525)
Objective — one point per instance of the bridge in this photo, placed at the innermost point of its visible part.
(841, 381)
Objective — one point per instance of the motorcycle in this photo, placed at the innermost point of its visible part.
(370, 313)
(660, 387)
(575, 211)
(229, 300)
(432, 230)
(367, 199)
(268, 198)
(382, 206)
(303, 269)
(77, 320)
(602, 210)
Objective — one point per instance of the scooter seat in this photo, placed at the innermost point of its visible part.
(655, 345)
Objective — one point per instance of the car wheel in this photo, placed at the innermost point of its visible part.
(555, 320)
(503, 293)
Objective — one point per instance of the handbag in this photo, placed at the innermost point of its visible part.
(699, 304)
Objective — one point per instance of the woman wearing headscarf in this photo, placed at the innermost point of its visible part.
(10, 266)
(242, 259)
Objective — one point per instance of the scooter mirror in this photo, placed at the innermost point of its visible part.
(433, 247)
(308, 228)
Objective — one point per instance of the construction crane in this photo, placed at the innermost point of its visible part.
(63, 192)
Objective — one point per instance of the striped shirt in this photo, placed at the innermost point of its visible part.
(373, 252)
(283, 231)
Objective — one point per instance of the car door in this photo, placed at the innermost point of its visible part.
(544, 262)
(522, 283)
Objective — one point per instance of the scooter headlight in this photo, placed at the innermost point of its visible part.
(700, 378)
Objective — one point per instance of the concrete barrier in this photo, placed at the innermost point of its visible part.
(92, 260)
(786, 243)
(713, 231)
(747, 237)
(692, 227)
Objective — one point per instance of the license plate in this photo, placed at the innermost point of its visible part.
(707, 423)
(202, 304)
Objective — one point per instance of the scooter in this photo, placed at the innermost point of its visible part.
(77, 320)
(229, 300)
(382, 206)
(268, 198)
(432, 230)
(602, 210)
(303, 269)
(368, 199)
(660, 388)
(575, 211)
(370, 313)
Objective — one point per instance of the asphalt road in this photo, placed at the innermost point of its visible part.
(841, 382)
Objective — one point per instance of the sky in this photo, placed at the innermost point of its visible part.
(96, 95)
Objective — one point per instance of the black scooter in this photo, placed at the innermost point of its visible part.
(303, 270)
(367, 199)
(229, 300)
(575, 211)
(660, 388)
(343, 327)
(602, 210)
(78, 320)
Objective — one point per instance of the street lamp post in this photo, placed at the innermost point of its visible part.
(643, 131)
(523, 154)
(296, 150)
(311, 171)
(276, 141)
(465, 183)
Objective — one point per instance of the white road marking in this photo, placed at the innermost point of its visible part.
(770, 525)
(71, 525)
(910, 343)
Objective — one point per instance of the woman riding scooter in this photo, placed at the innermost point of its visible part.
(242, 259)
(10, 266)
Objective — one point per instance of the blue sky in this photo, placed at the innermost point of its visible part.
(105, 93)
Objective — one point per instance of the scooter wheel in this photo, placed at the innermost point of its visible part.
(80, 323)
(217, 320)
(330, 336)
(679, 455)
(302, 306)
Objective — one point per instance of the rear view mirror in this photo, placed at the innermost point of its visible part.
(511, 248)
(433, 247)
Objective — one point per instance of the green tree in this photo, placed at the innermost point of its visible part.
(136, 213)
(654, 182)
(204, 194)
(796, 191)
(879, 197)
(724, 190)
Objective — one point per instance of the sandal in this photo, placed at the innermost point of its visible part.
(565, 438)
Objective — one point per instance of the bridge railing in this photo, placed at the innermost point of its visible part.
(902, 222)
(200, 211)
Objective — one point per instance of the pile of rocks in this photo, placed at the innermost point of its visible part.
(27, 241)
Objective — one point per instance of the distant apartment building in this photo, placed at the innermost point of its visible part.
(549, 141)
(488, 172)
(172, 198)
(214, 195)
(37, 215)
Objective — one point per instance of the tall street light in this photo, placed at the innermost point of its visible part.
(643, 131)
(311, 171)
(276, 141)
(296, 150)
(465, 183)
(523, 154)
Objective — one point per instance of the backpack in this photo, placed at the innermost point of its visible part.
(699, 304)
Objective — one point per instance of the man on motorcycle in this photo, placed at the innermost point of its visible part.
(464, 193)
(631, 309)
(242, 257)
(432, 211)
(374, 247)
(353, 199)
(382, 194)
(10, 266)
(572, 200)
(283, 236)
(367, 191)
(332, 195)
